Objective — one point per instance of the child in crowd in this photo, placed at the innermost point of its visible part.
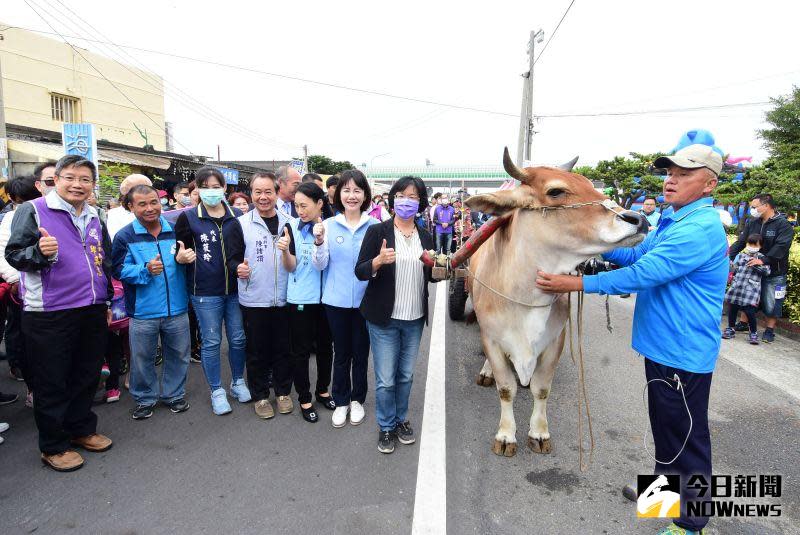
(744, 292)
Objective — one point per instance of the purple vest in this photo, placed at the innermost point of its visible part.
(76, 278)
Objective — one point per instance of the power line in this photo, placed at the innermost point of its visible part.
(648, 112)
(194, 105)
(103, 75)
(553, 34)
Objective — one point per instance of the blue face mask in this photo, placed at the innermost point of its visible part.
(212, 197)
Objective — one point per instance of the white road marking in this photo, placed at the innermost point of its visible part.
(430, 503)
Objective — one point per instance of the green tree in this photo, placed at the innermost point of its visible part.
(110, 175)
(626, 177)
(318, 163)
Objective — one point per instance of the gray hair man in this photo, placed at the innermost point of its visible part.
(288, 181)
(119, 217)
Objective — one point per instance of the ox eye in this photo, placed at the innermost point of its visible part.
(556, 192)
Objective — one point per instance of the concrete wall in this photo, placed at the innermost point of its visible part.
(34, 67)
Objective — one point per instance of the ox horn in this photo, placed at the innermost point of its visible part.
(569, 165)
(512, 169)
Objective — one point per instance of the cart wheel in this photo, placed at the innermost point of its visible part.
(458, 298)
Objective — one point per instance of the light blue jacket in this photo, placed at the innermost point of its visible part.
(305, 283)
(679, 273)
(337, 256)
(266, 286)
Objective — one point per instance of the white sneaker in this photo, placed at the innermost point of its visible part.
(340, 416)
(4, 427)
(356, 413)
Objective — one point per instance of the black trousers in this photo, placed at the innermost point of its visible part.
(670, 424)
(749, 311)
(115, 352)
(310, 332)
(194, 331)
(15, 342)
(267, 330)
(65, 353)
(351, 354)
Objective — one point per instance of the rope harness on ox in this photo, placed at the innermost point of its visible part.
(476, 240)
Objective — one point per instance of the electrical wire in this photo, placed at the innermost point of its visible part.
(553, 34)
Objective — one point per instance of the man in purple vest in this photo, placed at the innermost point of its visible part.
(63, 254)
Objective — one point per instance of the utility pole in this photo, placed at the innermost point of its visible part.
(305, 158)
(218, 157)
(5, 160)
(526, 115)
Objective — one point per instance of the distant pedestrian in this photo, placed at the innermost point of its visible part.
(338, 241)
(395, 306)
(744, 292)
(443, 218)
(240, 200)
(288, 180)
(649, 212)
(120, 216)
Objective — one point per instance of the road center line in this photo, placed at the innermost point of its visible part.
(430, 503)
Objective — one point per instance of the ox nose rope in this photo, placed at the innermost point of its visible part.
(583, 399)
(678, 386)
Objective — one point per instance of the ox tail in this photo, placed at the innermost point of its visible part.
(471, 318)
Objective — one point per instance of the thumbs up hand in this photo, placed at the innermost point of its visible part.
(184, 255)
(386, 256)
(283, 242)
(319, 232)
(155, 266)
(243, 270)
(47, 243)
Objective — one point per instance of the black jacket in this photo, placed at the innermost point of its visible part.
(378, 302)
(776, 239)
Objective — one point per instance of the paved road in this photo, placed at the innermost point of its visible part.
(198, 473)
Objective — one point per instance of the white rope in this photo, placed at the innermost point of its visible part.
(680, 387)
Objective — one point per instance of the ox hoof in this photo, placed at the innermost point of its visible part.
(506, 449)
(540, 445)
(485, 380)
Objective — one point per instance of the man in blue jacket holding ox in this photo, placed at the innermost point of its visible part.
(147, 260)
(679, 273)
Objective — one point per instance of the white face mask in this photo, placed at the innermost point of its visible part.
(754, 212)
(751, 250)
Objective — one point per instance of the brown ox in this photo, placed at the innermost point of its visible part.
(524, 326)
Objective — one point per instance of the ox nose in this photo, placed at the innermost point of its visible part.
(636, 219)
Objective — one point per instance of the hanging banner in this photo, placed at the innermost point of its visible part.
(80, 139)
(231, 175)
(300, 165)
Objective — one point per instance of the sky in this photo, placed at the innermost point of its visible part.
(613, 56)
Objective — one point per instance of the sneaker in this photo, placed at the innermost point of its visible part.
(178, 405)
(142, 412)
(340, 416)
(15, 373)
(105, 371)
(728, 333)
(768, 337)
(264, 409)
(219, 402)
(741, 327)
(404, 433)
(195, 356)
(674, 529)
(385, 441)
(285, 405)
(112, 395)
(240, 391)
(4, 427)
(754, 339)
(356, 413)
(5, 399)
(29, 399)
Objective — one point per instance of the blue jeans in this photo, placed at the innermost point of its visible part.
(394, 351)
(772, 307)
(211, 311)
(443, 240)
(174, 331)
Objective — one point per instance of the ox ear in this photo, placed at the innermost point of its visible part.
(569, 165)
(499, 202)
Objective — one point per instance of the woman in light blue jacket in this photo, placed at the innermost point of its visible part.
(337, 244)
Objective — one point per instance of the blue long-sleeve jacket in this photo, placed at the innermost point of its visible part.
(679, 273)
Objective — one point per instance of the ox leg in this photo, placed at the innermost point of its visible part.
(539, 433)
(485, 377)
(505, 441)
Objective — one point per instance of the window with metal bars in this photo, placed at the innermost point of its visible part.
(63, 108)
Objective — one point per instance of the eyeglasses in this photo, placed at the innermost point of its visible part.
(49, 182)
(82, 180)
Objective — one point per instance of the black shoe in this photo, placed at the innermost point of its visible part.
(15, 373)
(404, 433)
(309, 414)
(624, 296)
(768, 337)
(195, 356)
(326, 402)
(142, 412)
(629, 491)
(5, 399)
(385, 441)
(741, 327)
(123, 366)
(178, 405)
